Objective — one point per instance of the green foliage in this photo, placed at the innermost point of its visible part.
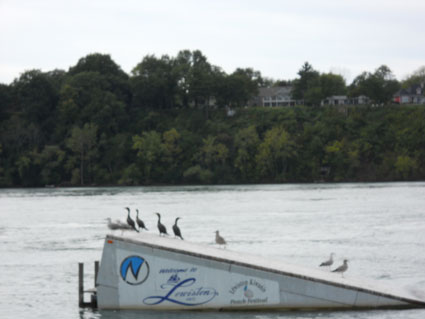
(309, 79)
(417, 77)
(212, 153)
(332, 84)
(149, 151)
(168, 123)
(405, 166)
(246, 143)
(379, 86)
(197, 175)
(83, 143)
(154, 83)
(274, 154)
(313, 87)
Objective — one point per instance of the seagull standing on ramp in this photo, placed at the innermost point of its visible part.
(219, 240)
(329, 262)
(161, 227)
(130, 221)
(116, 225)
(343, 268)
(176, 229)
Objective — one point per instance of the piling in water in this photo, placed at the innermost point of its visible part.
(93, 298)
(80, 285)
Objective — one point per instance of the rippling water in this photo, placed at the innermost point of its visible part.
(44, 233)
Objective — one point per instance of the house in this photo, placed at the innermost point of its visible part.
(344, 100)
(282, 96)
(412, 95)
(335, 100)
(359, 100)
(274, 96)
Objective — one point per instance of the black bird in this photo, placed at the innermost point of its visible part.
(176, 229)
(161, 227)
(140, 222)
(130, 221)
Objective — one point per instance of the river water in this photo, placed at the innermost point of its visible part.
(44, 233)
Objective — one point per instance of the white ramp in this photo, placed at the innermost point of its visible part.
(151, 272)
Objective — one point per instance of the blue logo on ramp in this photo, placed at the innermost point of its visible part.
(134, 270)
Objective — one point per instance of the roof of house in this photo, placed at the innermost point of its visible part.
(275, 91)
(416, 89)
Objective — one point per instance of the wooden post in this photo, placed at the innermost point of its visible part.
(81, 285)
(96, 271)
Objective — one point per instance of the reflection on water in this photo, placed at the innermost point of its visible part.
(44, 233)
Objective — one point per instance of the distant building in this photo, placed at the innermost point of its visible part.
(274, 96)
(359, 100)
(335, 100)
(344, 100)
(411, 95)
(282, 96)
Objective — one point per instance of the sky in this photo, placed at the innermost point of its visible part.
(274, 37)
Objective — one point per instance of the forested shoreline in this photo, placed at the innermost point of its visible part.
(181, 120)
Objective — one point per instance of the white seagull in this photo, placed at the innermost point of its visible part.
(219, 240)
(328, 262)
(343, 268)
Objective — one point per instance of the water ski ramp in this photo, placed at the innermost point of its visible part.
(151, 272)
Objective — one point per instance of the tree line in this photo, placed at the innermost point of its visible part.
(168, 123)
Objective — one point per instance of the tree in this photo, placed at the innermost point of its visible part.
(308, 79)
(238, 88)
(213, 153)
(154, 83)
(405, 166)
(417, 77)
(6, 106)
(275, 153)
(51, 160)
(149, 151)
(379, 86)
(332, 84)
(83, 142)
(115, 157)
(196, 78)
(246, 143)
(172, 156)
(88, 97)
(102, 64)
(37, 98)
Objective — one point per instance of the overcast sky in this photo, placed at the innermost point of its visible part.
(274, 37)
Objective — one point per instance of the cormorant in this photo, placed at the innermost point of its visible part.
(218, 239)
(328, 262)
(161, 227)
(130, 221)
(176, 229)
(343, 268)
(140, 222)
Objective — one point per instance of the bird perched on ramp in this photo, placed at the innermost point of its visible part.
(328, 262)
(162, 229)
(176, 229)
(117, 225)
(343, 268)
(140, 222)
(130, 221)
(218, 239)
